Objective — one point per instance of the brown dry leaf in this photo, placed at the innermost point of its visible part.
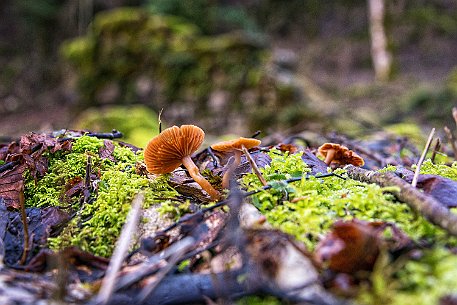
(74, 187)
(12, 148)
(83, 265)
(442, 189)
(351, 246)
(106, 152)
(26, 155)
(42, 223)
(11, 181)
(317, 165)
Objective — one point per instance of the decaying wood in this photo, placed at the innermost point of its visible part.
(424, 204)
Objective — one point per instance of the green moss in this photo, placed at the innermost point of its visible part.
(421, 281)
(307, 209)
(174, 209)
(440, 169)
(97, 222)
(259, 300)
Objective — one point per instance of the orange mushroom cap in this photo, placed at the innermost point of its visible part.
(340, 154)
(236, 144)
(351, 157)
(165, 152)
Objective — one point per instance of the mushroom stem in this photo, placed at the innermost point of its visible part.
(329, 156)
(254, 167)
(229, 173)
(195, 174)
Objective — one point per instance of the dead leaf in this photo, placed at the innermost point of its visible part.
(11, 181)
(351, 246)
(291, 148)
(317, 165)
(73, 187)
(41, 223)
(85, 266)
(106, 152)
(442, 189)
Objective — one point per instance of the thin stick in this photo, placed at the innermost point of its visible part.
(421, 160)
(26, 249)
(422, 203)
(436, 149)
(254, 167)
(149, 266)
(450, 139)
(176, 256)
(120, 251)
(160, 120)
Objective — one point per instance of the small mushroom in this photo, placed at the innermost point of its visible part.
(339, 154)
(173, 147)
(234, 146)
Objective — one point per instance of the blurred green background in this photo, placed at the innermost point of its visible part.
(228, 66)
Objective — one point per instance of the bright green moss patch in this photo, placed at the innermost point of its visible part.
(259, 300)
(421, 281)
(97, 223)
(174, 209)
(440, 169)
(308, 208)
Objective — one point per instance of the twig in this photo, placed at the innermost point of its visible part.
(175, 257)
(256, 134)
(25, 225)
(450, 139)
(87, 181)
(147, 266)
(8, 166)
(114, 134)
(120, 251)
(160, 120)
(254, 167)
(436, 149)
(424, 204)
(421, 160)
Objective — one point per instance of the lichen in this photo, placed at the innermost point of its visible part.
(97, 222)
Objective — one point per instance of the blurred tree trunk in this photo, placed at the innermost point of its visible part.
(381, 58)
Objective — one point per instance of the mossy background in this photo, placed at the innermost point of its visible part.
(137, 123)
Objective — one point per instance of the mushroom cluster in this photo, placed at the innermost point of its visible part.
(339, 154)
(173, 147)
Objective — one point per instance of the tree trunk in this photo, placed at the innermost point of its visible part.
(380, 56)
